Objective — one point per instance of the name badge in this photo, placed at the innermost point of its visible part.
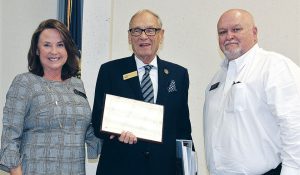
(129, 75)
(80, 93)
(214, 86)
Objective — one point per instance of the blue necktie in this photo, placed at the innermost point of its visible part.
(146, 85)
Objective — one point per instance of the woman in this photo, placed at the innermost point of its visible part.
(46, 118)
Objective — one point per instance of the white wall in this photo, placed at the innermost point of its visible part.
(190, 40)
(96, 42)
(18, 21)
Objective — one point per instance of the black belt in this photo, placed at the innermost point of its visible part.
(275, 171)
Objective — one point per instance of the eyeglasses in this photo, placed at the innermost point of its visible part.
(148, 31)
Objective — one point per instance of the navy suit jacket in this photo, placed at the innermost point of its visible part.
(144, 157)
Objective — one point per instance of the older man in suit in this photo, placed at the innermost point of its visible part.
(124, 154)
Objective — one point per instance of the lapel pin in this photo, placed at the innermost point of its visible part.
(166, 71)
(129, 75)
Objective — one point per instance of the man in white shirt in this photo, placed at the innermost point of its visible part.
(252, 105)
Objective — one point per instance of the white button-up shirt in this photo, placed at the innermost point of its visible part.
(252, 115)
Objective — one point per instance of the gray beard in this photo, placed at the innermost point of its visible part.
(231, 55)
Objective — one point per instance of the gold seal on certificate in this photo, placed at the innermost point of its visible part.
(144, 120)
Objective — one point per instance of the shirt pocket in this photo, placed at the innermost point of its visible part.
(237, 98)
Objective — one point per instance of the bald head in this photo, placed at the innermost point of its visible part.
(237, 13)
(237, 33)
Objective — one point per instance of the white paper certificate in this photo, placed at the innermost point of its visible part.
(144, 120)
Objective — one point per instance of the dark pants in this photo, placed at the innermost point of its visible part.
(275, 171)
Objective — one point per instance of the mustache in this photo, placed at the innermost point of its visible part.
(230, 42)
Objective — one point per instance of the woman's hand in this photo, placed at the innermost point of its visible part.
(16, 171)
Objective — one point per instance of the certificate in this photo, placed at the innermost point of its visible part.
(144, 120)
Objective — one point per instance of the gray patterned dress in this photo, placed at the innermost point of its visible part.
(46, 125)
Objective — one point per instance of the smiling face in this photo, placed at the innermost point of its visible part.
(52, 52)
(237, 33)
(145, 47)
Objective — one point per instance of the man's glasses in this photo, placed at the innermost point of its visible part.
(148, 31)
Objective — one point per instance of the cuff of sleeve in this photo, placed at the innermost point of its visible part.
(287, 170)
(4, 168)
(93, 150)
(9, 160)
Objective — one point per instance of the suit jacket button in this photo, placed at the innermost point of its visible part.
(147, 154)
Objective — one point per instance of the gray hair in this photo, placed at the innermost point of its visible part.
(146, 11)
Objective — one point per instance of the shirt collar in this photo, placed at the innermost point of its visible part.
(240, 62)
(140, 64)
